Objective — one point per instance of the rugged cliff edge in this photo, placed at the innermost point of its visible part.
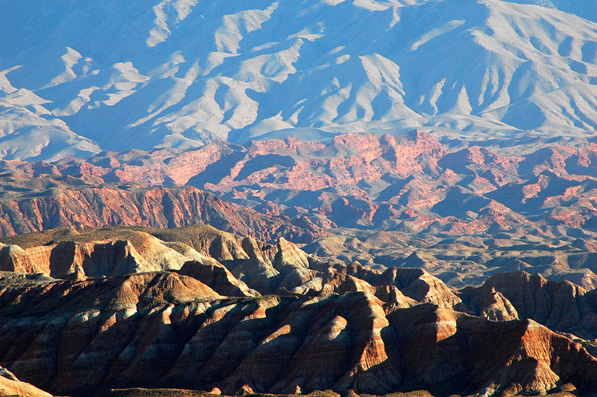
(29, 204)
(198, 308)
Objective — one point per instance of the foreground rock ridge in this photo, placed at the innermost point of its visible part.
(199, 308)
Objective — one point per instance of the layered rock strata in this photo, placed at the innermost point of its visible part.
(168, 330)
(407, 182)
(198, 308)
(29, 204)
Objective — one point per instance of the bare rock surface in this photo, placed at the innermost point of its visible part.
(390, 182)
(461, 210)
(559, 305)
(243, 316)
(11, 386)
(164, 330)
(38, 203)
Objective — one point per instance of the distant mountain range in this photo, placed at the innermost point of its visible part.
(80, 77)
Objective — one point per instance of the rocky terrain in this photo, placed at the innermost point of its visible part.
(408, 182)
(328, 198)
(36, 203)
(195, 308)
(11, 386)
(462, 210)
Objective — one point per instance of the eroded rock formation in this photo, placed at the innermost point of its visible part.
(197, 308)
(38, 203)
(166, 330)
(408, 182)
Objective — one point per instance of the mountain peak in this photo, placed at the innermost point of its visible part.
(69, 87)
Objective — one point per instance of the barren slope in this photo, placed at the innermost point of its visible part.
(77, 78)
(31, 204)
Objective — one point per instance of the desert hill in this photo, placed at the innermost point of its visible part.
(461, 210)
(30, 204)
(409, 182)
(196, 308)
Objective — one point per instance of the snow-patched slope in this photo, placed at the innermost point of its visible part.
(179, 73)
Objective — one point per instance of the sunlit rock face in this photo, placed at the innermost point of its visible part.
(199, 308)
(166, 330)
(50, 201)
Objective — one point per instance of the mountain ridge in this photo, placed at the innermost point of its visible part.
(50, 201)
(460, 211)
(161, 322)
(279, 70)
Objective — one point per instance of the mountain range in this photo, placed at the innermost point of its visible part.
(334, 198)
(462, 213)
(77, 78)
(87, 312)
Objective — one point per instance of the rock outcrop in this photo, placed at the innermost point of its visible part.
(420, 286)
(167, 330)
(218, 277)
(559, 305)
(49, 201)
(406, 182)
(229, 264)
(11, 386)
(509, 197)
(198, 308)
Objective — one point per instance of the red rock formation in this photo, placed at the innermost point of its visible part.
(218, 278)
(167, 330)
(489, 303)
(507, 357)
(76, 204)
(356, 180)
(331, 326)
(420, 286)
(475, 159)
(409, 184)
(553, 158)
(11, 386)
(559, 305)
(66, 253)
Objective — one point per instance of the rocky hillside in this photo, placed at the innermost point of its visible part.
(408, 182)
(457, 209)
(232, 265)
(36, 203)
(159, 330)
(197, 308)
